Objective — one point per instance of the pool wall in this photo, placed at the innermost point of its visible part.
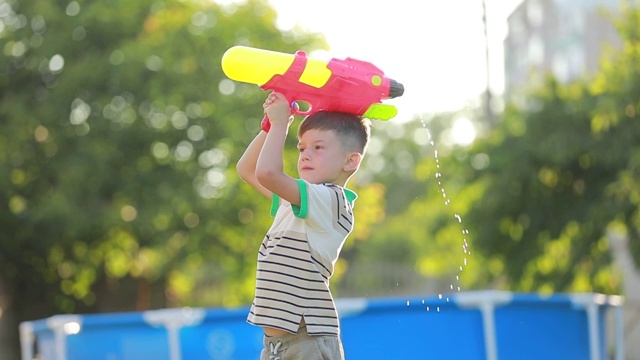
(483, 325)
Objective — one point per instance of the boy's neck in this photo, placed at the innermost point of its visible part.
(342, 180)
(331, 182)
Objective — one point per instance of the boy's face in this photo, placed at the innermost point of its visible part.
(322, 157)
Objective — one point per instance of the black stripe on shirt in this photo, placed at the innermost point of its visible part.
(311, 271)
(324, 289)
(290, 275)
(293, 304)
(292, 295)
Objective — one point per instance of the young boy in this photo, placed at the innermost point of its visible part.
(313, 217)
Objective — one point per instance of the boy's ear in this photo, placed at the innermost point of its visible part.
(353, 162)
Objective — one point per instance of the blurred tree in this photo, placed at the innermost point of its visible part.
(120, 134)
(561, 173)
(423, 240)
(119, 138)
(530, 204)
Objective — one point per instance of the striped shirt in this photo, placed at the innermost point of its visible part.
(297, 258)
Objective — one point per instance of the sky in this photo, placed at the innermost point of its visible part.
(436, 49)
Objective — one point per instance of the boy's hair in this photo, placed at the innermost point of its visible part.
(352, 130)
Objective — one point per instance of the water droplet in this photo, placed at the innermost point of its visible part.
(438, 309)
(408, 303)
(440, 296)
(427, 308)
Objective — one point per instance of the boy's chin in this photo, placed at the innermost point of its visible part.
(311, 179)
(308, 179)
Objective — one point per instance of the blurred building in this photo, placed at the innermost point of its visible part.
(565, 38)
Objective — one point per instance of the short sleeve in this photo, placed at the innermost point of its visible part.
(302, 210)
(275, 204)
(322, 206)
(317, 203)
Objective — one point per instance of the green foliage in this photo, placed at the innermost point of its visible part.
(424, 234)
(561, 173)
(539, 194)
(120, 135)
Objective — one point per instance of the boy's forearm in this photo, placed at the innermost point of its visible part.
(269, 171)
(246, 166)
(270, 161)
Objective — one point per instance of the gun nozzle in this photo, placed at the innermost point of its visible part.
(395, 89)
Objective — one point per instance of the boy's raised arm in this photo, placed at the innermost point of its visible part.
(269, 169)
(246, 166)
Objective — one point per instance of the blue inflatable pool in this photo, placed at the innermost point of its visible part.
(484, 325)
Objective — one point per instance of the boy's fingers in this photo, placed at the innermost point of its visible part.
(277, 96)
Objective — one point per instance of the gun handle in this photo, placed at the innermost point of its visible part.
(265, 124)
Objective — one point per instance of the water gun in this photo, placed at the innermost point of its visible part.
(349, 85)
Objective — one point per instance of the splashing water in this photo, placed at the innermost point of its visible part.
(457, 217)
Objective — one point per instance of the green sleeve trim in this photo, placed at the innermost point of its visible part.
(302, 210)
(275, 204)
(351, 196)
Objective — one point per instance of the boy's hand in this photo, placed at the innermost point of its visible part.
(276, 108)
